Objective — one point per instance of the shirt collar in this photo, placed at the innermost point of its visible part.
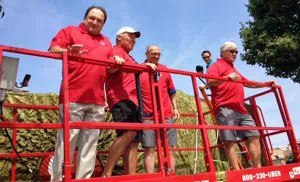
(225, 62)
(82, 28)
(208, 63)
(119, 47)
(147, 62)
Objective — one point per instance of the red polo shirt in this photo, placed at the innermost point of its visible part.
(86, 81)
(229, 94)
(166, 88)
(121, 85)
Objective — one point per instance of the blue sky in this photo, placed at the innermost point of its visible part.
(181, 28)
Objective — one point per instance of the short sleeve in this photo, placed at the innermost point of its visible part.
(62, 39)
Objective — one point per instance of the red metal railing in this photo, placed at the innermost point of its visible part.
(163, 154)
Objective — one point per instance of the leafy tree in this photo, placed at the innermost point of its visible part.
(1, 10)
(272, 38)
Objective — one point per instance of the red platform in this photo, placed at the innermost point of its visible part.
(270, 172)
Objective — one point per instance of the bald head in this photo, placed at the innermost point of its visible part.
(152, 54)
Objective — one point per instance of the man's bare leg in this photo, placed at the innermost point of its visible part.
(255, 151)
(149, 159)
(130, 158)
(117, 149)
(231, 155)
(172, 158)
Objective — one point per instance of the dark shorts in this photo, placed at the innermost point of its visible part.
(229, 117)
(149, 139)
(125, 111)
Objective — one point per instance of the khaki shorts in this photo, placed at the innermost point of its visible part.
(229, 117)
(149, 139)
(84, 112)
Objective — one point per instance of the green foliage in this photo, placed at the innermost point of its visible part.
(43, 140)
(32, 140)
(1, 10)
(272, 38)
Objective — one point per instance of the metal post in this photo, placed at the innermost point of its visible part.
(288, 123)
(264, 144)
(155, 121)
(204, 132)
(67, 167)
(14, 138)
(163, 131)
(1, 63)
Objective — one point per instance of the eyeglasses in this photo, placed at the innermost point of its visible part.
(233, 51)
(204, 57)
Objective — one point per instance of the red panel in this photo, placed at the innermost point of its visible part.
(273, 173)
(158, 177)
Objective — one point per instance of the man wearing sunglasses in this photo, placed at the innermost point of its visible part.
(228, 101)
(206, 56)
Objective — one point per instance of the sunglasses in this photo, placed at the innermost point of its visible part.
(204, 57)
(233, 51)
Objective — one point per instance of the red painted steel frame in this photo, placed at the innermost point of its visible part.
(204, 133)
(265, 150)
(288, 123)
(268, 173)
(267, 134)
(67, 166)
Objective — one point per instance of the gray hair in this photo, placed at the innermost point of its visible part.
(117, 40)
(149, 46)
(227, 45)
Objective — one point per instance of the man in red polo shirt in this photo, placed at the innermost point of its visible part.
(122, 100)
(168, 95)
(228, 101)
(86, 89)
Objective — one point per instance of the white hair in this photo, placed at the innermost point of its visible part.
(227, 45)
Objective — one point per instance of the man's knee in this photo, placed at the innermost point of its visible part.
(149, 151)
(228, 144)
(130, 135)
(134, 145)
(254, 139)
